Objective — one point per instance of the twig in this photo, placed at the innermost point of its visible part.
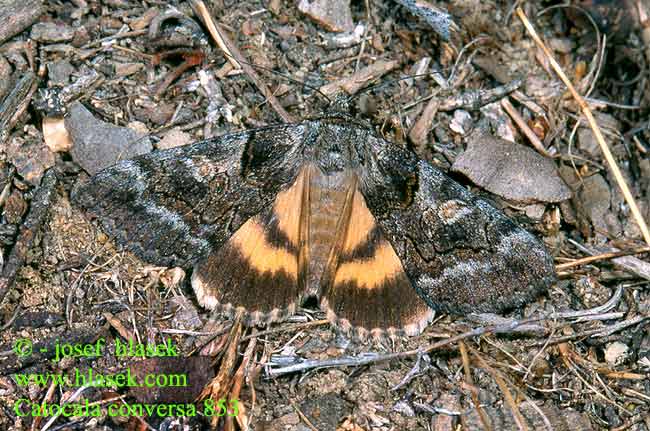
(507, 396)
(358, 80)
(371, 357)
(506, 327)
(15, 103)
(594, 127)
(41, 203)
(439, 20)
(236, 58)
(126, 34)
(473, 100)
(594, 333)
(598, 257)
(468, 378)
(644, 19)
(631, 264)
(518, 119)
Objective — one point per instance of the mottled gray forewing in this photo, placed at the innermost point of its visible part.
(460, 253)
(173, 207)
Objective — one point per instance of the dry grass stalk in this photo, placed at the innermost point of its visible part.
(220, 386)
(507, 396)
(592, 123)
(473, 394)
(238, 382)
(598, 257)
(236, 58)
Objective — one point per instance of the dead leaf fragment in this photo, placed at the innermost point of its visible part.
(512, 171)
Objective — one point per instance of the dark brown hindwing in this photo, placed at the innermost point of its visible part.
(365, 288)
(260, 270)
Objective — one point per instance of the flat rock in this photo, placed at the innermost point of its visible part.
(50, 32)
(512, 171)
(59, 72)
(332, 15)
(587, 141)
(616, 353)
(97, 144)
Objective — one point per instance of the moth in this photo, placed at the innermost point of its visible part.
(324, 208)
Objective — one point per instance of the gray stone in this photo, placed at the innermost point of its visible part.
(512, 171)
(59, 72)
(97, 144)
(333, 15)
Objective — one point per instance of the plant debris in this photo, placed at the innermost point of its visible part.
(85, 83)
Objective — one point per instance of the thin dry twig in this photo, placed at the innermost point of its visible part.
(509, 326)
(507, 396)
(468, 378)
(631, 264)
(519, 120)
(592, 123)
(599, 257)
(236, 58)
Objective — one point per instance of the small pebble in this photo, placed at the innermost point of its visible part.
(616, 353)
(332, 15)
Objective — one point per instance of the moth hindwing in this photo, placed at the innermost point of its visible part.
(326, 208)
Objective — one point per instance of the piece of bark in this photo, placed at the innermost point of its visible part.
(5, 75)
(52, 32)
(512, 171)
(17, 15)
(15, 103)
(29, 155)
(41, 203)
(420, 130)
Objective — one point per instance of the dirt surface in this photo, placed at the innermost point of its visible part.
(582, 361)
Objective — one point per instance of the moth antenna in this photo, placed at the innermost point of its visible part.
(349, 99)
(282, 75)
